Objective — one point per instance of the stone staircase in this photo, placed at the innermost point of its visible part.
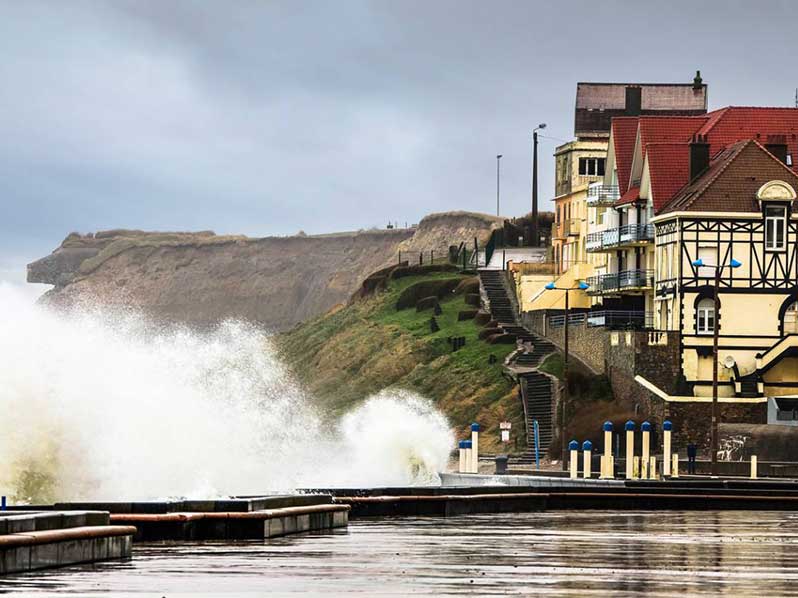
(536, 388)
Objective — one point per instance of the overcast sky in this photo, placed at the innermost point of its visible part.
(267, 117)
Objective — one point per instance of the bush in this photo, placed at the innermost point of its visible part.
(501, 339)
(469, 285)
(487, 332)
(482, 318)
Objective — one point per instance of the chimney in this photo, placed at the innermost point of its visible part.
(699, 156)
(634, 101)
(777, 145)
(697, 81)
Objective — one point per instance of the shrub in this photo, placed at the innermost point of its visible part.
(426, 288)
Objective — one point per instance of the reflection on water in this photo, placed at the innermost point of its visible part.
(553, 554)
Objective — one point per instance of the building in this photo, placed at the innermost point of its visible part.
(740, 204)
(648, 176)
(581, 165)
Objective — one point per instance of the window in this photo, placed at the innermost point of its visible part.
(705, 316)
(791, 319)
(708, 255)
(775, 228)
(591, 166)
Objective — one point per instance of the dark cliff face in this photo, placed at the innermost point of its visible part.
(200, 279)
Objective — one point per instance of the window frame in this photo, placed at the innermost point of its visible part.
(704, 311)
(773, 225)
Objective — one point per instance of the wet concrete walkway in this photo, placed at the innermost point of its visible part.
(594, 553)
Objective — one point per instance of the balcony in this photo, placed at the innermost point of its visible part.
(628, 235)
(601, 195)
(573, 227)
(617, 282)
(613, 319)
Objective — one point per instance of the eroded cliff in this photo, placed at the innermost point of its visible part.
(201, 278)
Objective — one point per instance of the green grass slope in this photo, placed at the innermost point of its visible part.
(351, 353)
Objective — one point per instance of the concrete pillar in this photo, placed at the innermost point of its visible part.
(587, 454)
(474, 448)
(462, 465)
(675, 468)
(667, 426)
(630, 448)
(606, 459)
(644, 459)
(573, 446)
(753, 467)
(467, 464)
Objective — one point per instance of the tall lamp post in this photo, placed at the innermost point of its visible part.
(582, 286)
(535, 231)
(498, 157)
(699, 263)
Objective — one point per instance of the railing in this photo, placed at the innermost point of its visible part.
(602, 195)
(628, 234)
(620, 281)
(606, 318)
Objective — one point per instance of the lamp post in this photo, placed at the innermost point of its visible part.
(699, 263)
(582, 286)
(498, 158)
(535, 231)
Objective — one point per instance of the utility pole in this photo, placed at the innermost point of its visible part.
(498, 158)
(535, 232)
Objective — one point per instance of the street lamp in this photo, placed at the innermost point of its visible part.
(699, 263)
(582, 286)
(535, 231)
(498, 157)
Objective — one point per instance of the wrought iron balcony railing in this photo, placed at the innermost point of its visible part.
(616, 282)
(613, 238)
(616, 319)
(602, 195)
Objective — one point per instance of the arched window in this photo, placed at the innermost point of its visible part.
(705, 316)
(791, 319)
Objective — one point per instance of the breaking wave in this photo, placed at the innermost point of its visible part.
(99, 404)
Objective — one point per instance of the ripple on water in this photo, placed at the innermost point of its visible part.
(564, 553)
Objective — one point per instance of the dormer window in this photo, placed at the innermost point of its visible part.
(775, 228)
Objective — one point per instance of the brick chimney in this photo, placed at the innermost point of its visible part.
(777, 145)
(634, 100)
(699, 156)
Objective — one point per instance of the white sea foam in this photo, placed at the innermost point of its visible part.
(106, 405)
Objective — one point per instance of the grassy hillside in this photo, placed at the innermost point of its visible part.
(353, 352)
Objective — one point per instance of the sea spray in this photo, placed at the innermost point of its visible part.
(106, 404)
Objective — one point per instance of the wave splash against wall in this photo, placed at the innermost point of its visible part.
(101, 404)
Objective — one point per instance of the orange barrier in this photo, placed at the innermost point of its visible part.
(62, 535)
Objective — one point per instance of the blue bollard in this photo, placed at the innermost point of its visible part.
(2, 503)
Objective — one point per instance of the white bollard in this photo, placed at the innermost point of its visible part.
(461, 449)
(475, 448)
(587, 455)
(644, 460)
(607, 471)
(675, 468)
(467, 463)
(573, 446)
(667, 426)
(753, 467)
(630, 449)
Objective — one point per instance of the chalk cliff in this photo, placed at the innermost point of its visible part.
(200, 278)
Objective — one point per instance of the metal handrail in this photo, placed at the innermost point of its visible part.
(616, 237)
(617, 281)
(602, 194)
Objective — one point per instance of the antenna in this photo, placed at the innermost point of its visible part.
(796, 97)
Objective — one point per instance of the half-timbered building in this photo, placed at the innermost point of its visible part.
(741, 206)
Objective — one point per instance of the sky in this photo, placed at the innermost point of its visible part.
(270, 117)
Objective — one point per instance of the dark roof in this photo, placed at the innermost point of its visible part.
(731, 181)
(598, 103)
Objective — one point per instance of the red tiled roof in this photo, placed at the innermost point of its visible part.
(669, 170)
(624, 132)
(663, 129)
(735, 123)
(631, 196)
(732, 180)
